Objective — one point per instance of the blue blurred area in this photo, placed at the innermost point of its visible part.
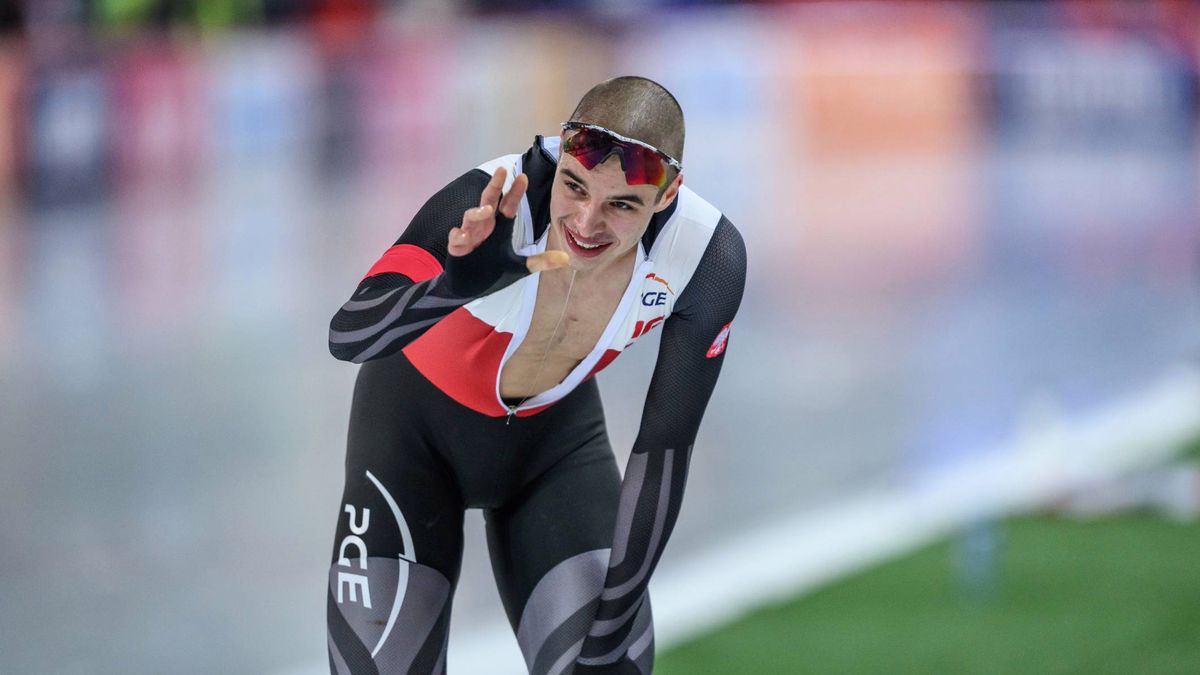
(952, 212)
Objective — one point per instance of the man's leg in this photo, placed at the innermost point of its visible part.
(550, 551)
(398, 548)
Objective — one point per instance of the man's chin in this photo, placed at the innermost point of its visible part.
(580, 263)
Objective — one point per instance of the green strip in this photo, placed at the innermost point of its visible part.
(1118, 595)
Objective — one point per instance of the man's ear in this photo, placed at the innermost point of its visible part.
(670, 193)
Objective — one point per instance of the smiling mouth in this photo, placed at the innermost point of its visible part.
(581, 246)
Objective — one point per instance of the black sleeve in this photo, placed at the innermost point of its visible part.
(389, 309)
(689, 361)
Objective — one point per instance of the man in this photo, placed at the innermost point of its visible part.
(511, 287)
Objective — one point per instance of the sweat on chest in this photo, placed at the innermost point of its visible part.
(577, 329)
(570, 326)
(573, 337)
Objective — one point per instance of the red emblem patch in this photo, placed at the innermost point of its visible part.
(718, 345)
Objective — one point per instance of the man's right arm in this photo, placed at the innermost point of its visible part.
(404, 292)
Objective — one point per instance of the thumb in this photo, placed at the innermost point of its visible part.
(550, 260)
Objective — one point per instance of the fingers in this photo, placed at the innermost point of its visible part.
(550, 260)
(491, 191)
(508, 205)
(478, 220)
(491, 195)
(477, 224)
(457, 245)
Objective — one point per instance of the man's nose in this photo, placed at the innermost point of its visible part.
(588, 223)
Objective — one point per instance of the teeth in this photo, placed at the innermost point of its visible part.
(583, 245)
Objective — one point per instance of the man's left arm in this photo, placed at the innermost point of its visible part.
(689, 361)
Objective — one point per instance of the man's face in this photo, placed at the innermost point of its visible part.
(598, 217)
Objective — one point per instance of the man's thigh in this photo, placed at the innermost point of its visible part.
(550, 550)
(398, 546)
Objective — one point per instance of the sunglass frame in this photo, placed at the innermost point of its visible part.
(671, 161)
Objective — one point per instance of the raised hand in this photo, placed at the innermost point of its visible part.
(479, 224)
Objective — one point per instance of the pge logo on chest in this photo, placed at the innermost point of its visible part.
(654, 298)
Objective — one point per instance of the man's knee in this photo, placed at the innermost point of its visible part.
(561, 612)
(622, 645)
(387, 612)
(387, 615)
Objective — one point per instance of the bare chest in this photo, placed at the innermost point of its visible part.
(562, 332)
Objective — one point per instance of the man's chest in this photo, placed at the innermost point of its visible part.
(569, 319)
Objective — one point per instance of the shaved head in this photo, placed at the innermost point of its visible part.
(635, 107)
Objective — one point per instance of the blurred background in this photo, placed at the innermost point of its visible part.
(974, 291)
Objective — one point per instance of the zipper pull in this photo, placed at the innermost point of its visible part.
(512, 410)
